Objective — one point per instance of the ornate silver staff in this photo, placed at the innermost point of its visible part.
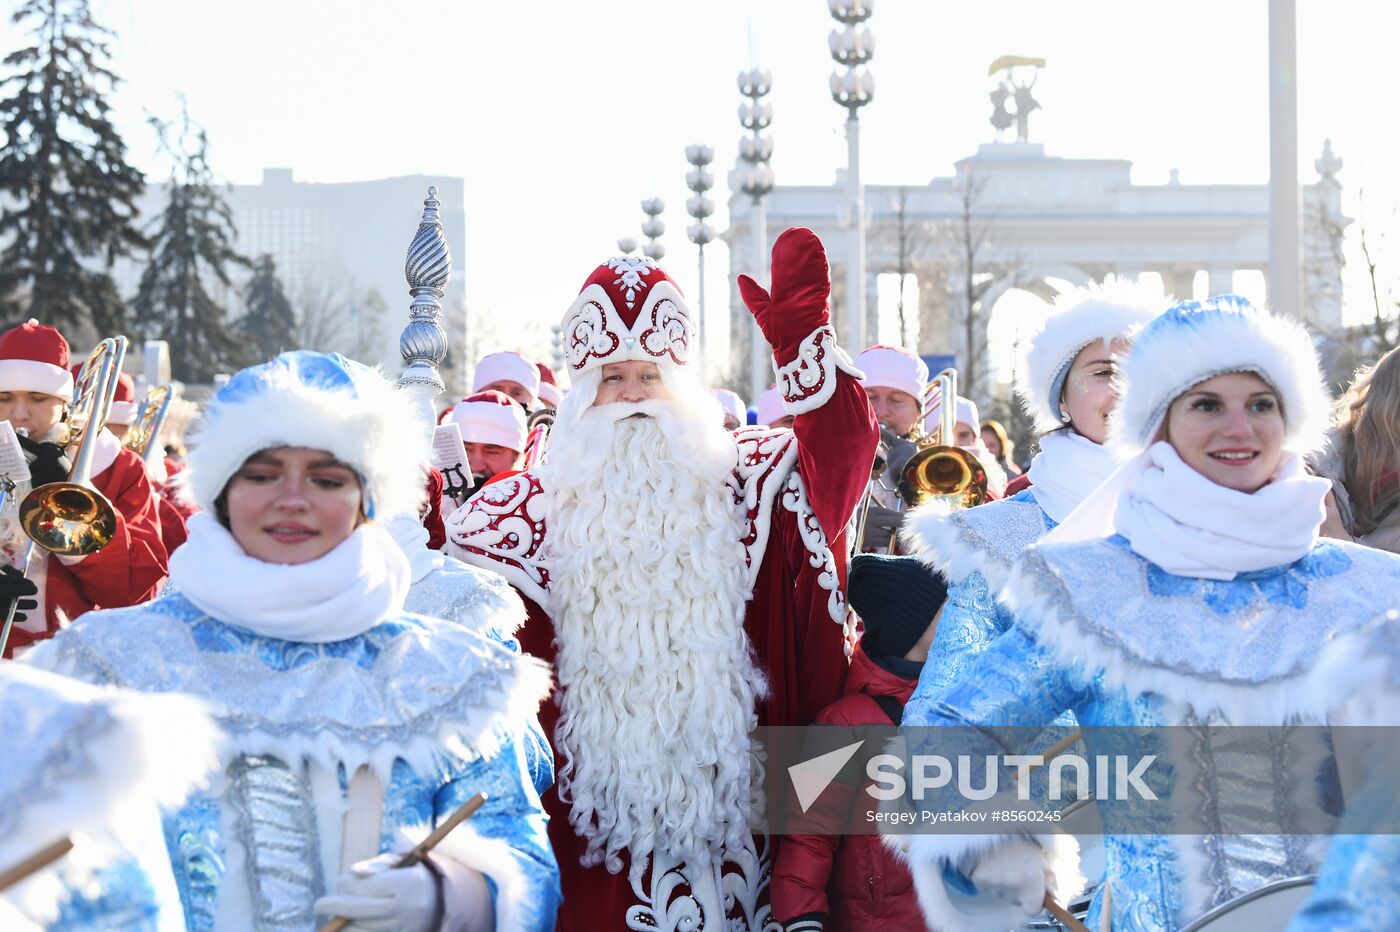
(423, 344)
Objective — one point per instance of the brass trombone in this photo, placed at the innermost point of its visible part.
(144, 436)
(72, 518)
(942, 471)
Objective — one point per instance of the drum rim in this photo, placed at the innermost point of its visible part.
(1272, 886)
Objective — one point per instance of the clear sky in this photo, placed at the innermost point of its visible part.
(562, 115)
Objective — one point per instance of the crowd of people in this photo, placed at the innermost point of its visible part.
(308, 681)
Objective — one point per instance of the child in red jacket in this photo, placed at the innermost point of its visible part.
(853, 882)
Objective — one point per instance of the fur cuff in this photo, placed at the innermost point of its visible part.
(937, 538)
(809, 380)
(492, 858)
(944, 908)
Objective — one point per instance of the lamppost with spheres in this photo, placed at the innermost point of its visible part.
(756, 181)
(652, 228)
(853, 46)
(700, 206)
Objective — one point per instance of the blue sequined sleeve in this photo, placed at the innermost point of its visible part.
(971, 620)
(514, 816)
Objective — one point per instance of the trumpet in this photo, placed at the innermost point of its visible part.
(144, 436)
(72, 518)
(941, 471)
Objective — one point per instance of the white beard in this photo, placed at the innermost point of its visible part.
(658, 680)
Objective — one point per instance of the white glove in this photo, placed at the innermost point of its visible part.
(1015, 871)
(379, 897)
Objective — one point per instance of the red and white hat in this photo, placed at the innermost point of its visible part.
(506, 367)
(894, 367)
(550, 395)
(965, 412)
(732, 404)
(34, 358)
(124, 406)
(491, 417)
(628, 309)
(770, 406)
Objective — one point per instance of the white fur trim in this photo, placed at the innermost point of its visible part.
(809, 380)
(379, 433)
(490, 857)
(937, 538)
(31, 375)
(123, 412)
(1103, 311)
(1296, 699)
(106, 449)
(924, 855)
(506, 367)
(1178, 351)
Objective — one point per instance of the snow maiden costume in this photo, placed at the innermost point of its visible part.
(353, 727)
(91, 765)
(1166, 599)
(975, 548)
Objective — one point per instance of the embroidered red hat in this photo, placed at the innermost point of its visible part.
(34, 358)
(627, 309)
(491, 417)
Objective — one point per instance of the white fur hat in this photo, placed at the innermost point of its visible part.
(1197, 340)
(506, 367)
(1099, 311)
(965, 412)
(322, 402)
(491, 417)
(893, 367)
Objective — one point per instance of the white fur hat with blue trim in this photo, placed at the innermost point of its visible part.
(322, 402)
(1100, 311)
(1198, 340)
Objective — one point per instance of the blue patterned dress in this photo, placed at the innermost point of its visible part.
(429, 706)
(1104, 633)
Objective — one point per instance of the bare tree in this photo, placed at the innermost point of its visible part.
(908, 239)
(331, 318)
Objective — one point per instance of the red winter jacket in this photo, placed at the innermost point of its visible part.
(854, 880)
(1019, 484)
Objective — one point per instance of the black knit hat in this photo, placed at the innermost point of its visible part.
(897, 598)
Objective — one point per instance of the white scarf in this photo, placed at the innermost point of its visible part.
(338, 596)
(1190, 526)
(412, 537)
(1068, 467)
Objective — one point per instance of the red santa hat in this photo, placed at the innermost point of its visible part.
(628, 309)
(893, 367)
(491, 417)
(34, 358)
(506, 367)
(770, 406)
(124, 406)
(550, 395)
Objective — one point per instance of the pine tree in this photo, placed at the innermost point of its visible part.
(64, 172)
(269, 325)
(192, 248)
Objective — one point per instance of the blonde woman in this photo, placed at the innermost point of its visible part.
(1364, 460)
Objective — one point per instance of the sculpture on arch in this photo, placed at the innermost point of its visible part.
(1008, 87)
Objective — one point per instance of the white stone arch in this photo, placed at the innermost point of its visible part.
(1034, 279)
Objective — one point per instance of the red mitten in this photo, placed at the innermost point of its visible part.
(799, 303)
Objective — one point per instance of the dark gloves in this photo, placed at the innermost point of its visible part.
(47, 461)
(15, 585)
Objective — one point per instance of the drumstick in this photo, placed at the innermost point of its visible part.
(463, 813)
(1063, 915)
(35, 863)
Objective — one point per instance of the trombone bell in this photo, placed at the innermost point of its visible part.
(943, 472)
(68, 519)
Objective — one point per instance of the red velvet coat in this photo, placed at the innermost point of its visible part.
(127, 571)
(854, 880)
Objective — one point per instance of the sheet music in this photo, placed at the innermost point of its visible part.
(13, 465)
(450, 458)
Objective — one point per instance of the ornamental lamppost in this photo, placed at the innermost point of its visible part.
(423, 344)
(652, 227)
(757, 181)
(700, 206)
(626, 244)
(853, 46)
